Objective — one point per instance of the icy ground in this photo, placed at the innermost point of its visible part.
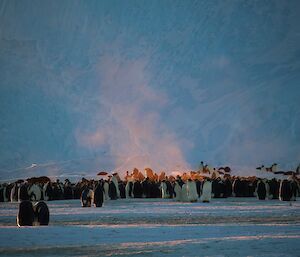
(157, 227)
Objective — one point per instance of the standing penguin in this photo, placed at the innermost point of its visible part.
(184, 193)
(1, 193)
(6, 192)
(114, 179)
(177, 190)
(106, 190)
(41, 212)
(25, 215)
(86, 197)
(206, 191)
(23, 193)
(285, 190)
(294, 189)
(14, 193)
(164, 191)
(112, 191)
(192, 191)
(47, 191)
(35, 192)
(274, 188)
(98, 195)
(137, 189)
(261, 190)
(128, 189)
(170, 189)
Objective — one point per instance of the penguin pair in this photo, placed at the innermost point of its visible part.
(30, 215)
(88, 196)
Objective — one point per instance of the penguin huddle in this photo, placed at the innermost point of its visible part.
(33, 214)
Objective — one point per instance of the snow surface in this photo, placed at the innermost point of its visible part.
(157, 227)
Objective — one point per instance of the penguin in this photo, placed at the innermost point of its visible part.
(41, 213)
(106, 189)
(68, 191)
(285, 190)
(128, 189)
(155, 191)
(216, 189)
(137, 190)
(184, 193)
(114, 179)
(206, 191)
(5, 195)
(228, 188)
(170, 188)
(122, 190)
(35, 193)
(294, 189)
(47, 191)
(23, 193)
(25, 216)
(86, 197)
(98, 195)
(274, 188)
(1, 193)
(261, 190)
(112, 191)
(192, 191)
(57, 192)
(8, 189)
(237, 188)
(14, 193)
(198, 186)
(164, 192)
(178, 191)
(146, 188)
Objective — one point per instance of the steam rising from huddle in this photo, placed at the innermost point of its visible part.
(129, 122)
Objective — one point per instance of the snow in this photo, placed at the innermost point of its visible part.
(154, 227)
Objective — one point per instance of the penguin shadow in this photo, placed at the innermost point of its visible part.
(30, 214)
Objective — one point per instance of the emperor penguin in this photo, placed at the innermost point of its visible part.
(14, 193)
(192, 191)
(86, 198)
(285, 190)
(261, 190)
(41, 212)
(47, 191)
(164, 191)
(114, 179)
(128, 189)
(206, 191)
(98, 195)
(106, 190)
(35, 193)
(112, 191)
(184, 193)
(23, 193)
(25, 216)
(5, 198)
(177, 190)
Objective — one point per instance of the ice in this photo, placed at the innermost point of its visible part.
(155, 227)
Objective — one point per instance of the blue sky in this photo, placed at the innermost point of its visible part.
(149, 83)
